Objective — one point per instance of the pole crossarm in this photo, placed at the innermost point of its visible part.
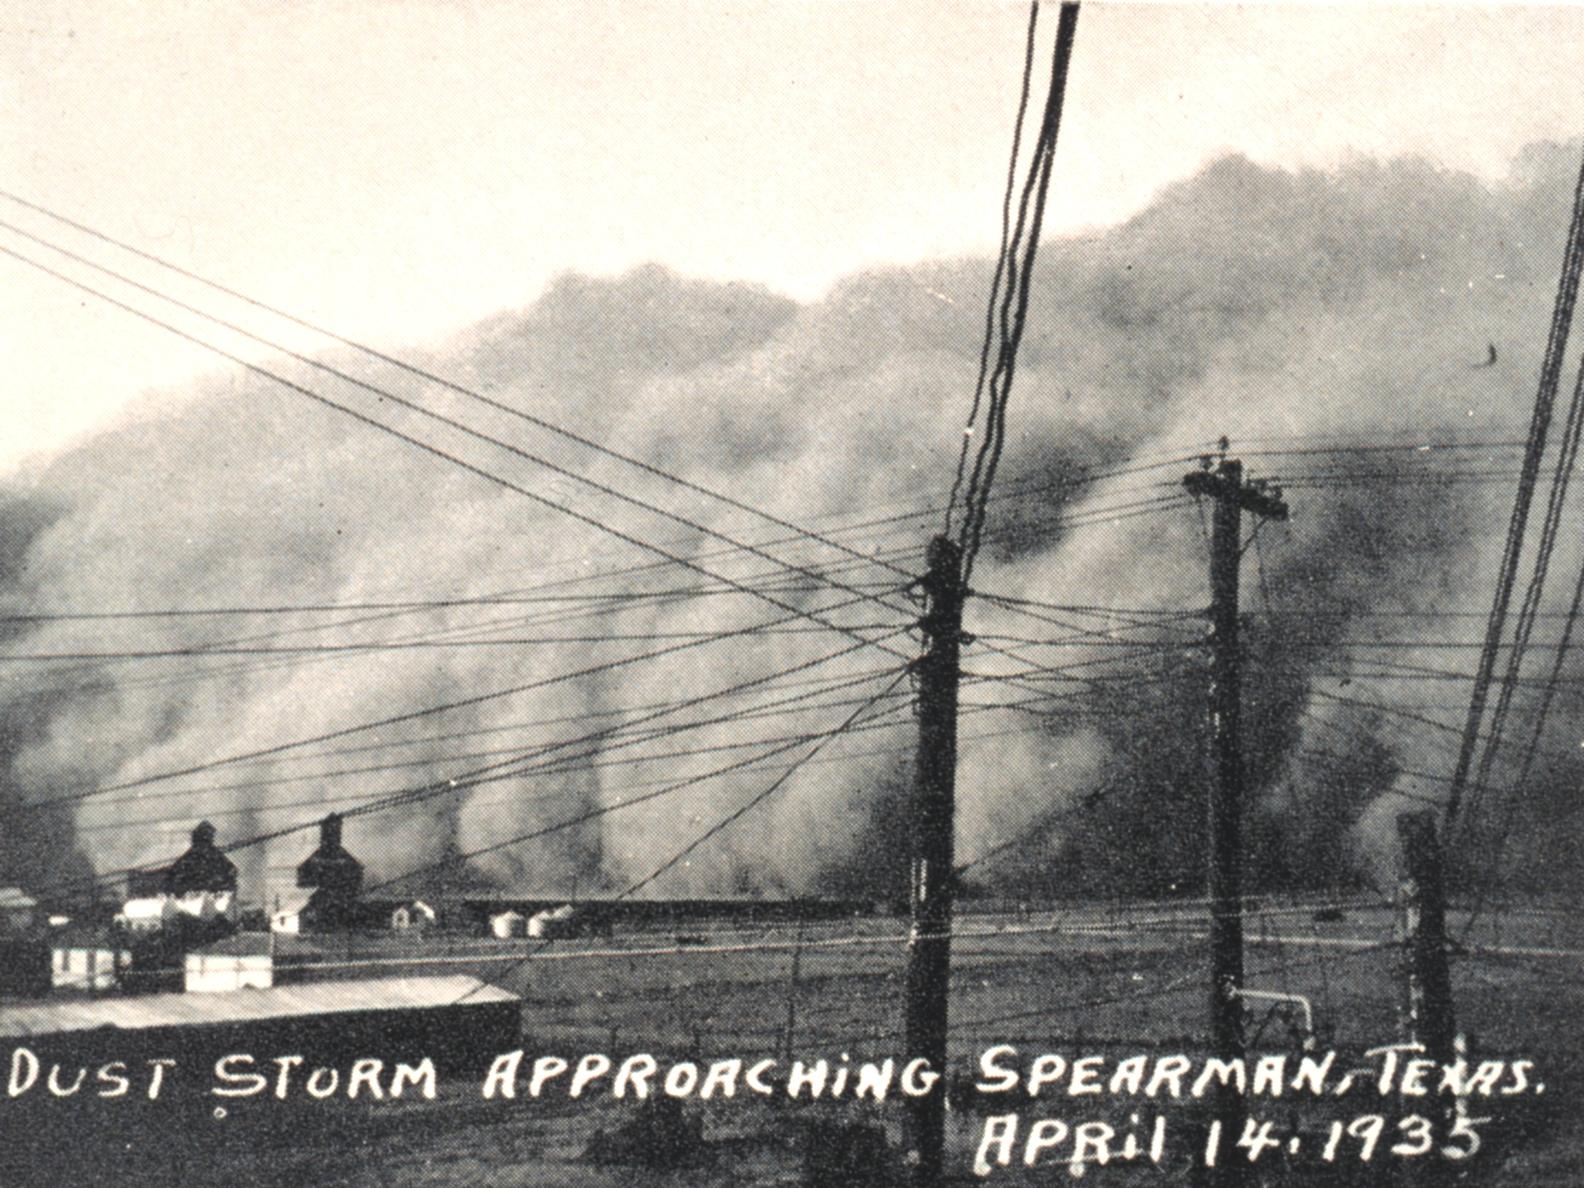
(1255, 498)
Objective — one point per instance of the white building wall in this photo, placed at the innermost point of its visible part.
(86, 969)
(220, 973)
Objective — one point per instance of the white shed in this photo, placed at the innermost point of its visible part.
(505, 925)
(415, 916)
(287, 917)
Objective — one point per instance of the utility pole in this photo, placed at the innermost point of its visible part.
(1426, 1004)
(1427, 983)
(1230, 497)
(931, 869)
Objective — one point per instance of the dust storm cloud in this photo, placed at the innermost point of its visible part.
(1278, 308)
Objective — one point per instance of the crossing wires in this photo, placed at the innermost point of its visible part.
(1007, 311)
(1539, 426)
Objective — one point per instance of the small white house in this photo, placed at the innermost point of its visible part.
(416, 916)
(287, 918)
(87, 965)
(505, 925)
(243, 961)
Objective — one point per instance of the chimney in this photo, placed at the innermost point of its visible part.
(330, 834)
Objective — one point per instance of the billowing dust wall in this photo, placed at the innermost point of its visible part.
(1286, 310)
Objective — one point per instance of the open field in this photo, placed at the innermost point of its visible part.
(1104, 981)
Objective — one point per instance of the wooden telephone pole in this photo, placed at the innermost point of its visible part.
(931, 868)
(1427, 983)
(1425, 1008)
(1231, 498)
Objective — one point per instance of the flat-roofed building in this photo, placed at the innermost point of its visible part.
(459, 1022)
(241, 962)
(88, 960)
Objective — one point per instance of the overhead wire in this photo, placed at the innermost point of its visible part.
(736, 814)
(1550, 374)
(780, 748)
(618, 737)
(1567, 453)
(578, 764)
(421, 373)
(622, 731)
(586, 761)
(409, 716)
(596, 522)
(1001, 263)
(461, 782)
(1019, 261)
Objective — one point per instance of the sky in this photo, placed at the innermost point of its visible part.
(397, 171)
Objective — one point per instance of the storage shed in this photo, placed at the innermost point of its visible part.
(459, 1022)
(505, 925)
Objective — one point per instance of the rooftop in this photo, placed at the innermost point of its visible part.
(279, 1002)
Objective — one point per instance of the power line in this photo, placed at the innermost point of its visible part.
(578, 762)
(597, 600)
(409, 368)
(1550, 373)
(1427, 448)
(738, 813)
(778, 707)
(490, 773)
(879, 723)
(190, 675)
(780, 748)
(600, 601)
(590, 760)
(480, 471)
(1019, 272)
(410, 645)
(1573, 427)
(473, 779)
(1001, 264)
(412, 715)
(506, 596)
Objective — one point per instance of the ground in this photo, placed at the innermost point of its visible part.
(1112, 981)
